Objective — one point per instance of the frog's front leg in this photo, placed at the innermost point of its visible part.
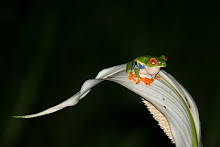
(147, 81)
(136, 70)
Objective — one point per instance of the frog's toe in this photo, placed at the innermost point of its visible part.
(148, 84)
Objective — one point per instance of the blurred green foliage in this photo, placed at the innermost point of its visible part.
(50, 48)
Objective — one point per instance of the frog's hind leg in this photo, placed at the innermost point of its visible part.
(129, 72)
(153, 77)
(132, 76)
(156, 77)
(128, 68)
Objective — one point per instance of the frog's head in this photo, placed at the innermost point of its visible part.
(157, 61)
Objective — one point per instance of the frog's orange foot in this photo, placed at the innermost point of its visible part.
(147, 81)
(157, 77)
(132, 77)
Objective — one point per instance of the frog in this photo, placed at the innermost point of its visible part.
(145, 65)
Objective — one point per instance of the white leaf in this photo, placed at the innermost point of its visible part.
(166, 94)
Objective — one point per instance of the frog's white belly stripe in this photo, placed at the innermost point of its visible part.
(149, 70)
(152, 70)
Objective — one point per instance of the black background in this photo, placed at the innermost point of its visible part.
(48, 49)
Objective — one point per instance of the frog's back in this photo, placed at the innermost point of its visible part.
(143, 59)
(139, 62)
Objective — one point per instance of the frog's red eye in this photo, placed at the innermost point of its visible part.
(165, 58)
(153, 61)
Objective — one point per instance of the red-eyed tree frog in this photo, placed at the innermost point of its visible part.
(145, 65)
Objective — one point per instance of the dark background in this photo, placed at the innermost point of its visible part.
(48, 49)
